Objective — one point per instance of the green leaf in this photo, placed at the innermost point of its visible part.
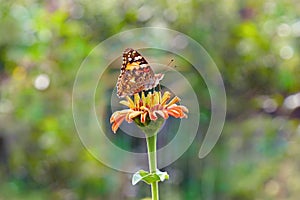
(149, 178)
(162, 175)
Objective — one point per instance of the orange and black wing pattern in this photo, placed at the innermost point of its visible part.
(136, 74)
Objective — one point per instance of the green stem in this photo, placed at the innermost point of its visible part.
(151, 147)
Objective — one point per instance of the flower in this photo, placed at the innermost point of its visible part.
(143, 109)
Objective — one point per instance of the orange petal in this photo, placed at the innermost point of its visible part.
(143, 117)
(165, 98)
(118, 113)
(127, 118)
(136, 98)
(173, 101)
(125, 103)
(153, 116)
(131, 103)
(157, 109)
(184, 109)
(143, 98)
(117, 122)
(156, 98)
(134, 114)
(163, 113)
(176, 112)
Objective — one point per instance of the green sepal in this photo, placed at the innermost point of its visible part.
(137, 120)
(149, 178)
(150, 128)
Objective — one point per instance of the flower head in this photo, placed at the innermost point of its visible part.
(145, 108)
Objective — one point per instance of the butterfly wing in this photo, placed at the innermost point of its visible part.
(136, 74)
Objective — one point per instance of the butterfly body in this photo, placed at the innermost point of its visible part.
(136, 74)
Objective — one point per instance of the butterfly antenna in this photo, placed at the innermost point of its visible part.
(170, 62)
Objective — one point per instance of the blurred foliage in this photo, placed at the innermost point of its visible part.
(255, 45)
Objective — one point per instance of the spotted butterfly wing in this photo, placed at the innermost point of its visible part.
(136, 74)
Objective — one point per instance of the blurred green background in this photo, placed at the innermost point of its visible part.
(254, 43)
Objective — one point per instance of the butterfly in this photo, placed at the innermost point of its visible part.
(136, 74)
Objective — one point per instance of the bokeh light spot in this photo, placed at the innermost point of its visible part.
(145, 13)
(272, 188)
(296, 29)
(292, 101)
(286, 52)
(42, 82)
(283, 30)
(269, 105)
